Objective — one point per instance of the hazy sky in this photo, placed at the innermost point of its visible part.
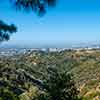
(70, 21)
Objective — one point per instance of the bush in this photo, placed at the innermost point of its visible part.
(59, 85)
(7, 95)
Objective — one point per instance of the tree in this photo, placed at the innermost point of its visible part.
(59, 85)
(6, 30)
(38, 6)
(7, 95)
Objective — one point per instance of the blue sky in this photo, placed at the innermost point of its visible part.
(70, 21)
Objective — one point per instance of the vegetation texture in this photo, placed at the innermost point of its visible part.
(38, 75)
(6, 30)
(38, 6)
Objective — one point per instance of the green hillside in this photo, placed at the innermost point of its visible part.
(17, 73)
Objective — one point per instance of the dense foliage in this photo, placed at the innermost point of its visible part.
(45, 75)
(59, 86)
(7, 95)
(38, 6)
(52, 80)
(6, 30)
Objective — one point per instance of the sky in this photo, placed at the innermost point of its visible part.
(71, 21)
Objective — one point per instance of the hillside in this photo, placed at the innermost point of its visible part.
(17, 73)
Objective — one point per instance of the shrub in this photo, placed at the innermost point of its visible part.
(59, 85)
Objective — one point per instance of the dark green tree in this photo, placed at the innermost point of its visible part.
(6, 30)
(59, 85)
(7, 95)
(38, 6)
